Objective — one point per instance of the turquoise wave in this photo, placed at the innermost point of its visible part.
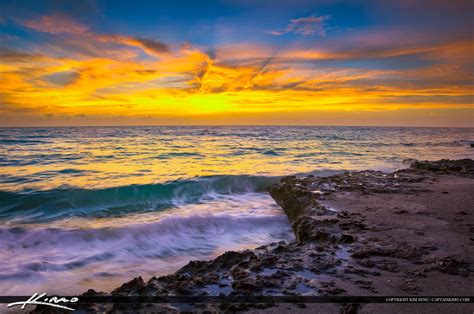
(41, 206)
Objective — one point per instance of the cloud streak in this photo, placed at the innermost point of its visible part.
(150, 46)
(81, 70)
(56, 24)
(305, 26)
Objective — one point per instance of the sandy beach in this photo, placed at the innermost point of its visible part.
(364, 233)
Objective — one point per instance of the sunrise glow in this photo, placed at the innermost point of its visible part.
(90, 63)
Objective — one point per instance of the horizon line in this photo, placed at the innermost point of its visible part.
(233, 125)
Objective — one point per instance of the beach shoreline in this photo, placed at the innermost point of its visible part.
(365, 233)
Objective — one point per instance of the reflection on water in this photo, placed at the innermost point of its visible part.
(102, 157)
(93, 207)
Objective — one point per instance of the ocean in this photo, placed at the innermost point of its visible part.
(93, 207)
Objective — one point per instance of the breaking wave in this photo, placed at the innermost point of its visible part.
(59, 203)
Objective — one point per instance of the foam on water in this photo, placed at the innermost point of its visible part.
(93, 207)
(47, 205)
(70, 256)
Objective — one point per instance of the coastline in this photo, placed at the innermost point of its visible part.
(359, 233)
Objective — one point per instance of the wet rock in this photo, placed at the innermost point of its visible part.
(401, 212)
(418, 272)
(92, 292)
(397, 250)
(194, 267)
(361, 272)
(318, 230)
(382, 264)
(247, 285)
(130, 287)
(344, 214)
(464, 166)
(346, 239)
(365, 284)
(350, 308)
(331, 247)
(229, 259)
(409, 285)
(330, 288)
(451, 265)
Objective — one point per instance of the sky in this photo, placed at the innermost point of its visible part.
(353, 62)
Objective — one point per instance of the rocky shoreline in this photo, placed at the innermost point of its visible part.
(365, 233)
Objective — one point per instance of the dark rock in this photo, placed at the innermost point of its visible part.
(445, 165)
(350, 308)
(453, 266)
(382, 264)
(397, 250)
(317, 260)
(130, 287)
(346, 239)
(365, 284)
(401, 212)
(409, 285)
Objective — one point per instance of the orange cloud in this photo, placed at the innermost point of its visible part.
(149, 46)
(459, 48)
(107, 79)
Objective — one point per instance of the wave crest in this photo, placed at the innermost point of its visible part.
(68, 202)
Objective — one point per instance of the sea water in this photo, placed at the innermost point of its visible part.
(92, 207)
